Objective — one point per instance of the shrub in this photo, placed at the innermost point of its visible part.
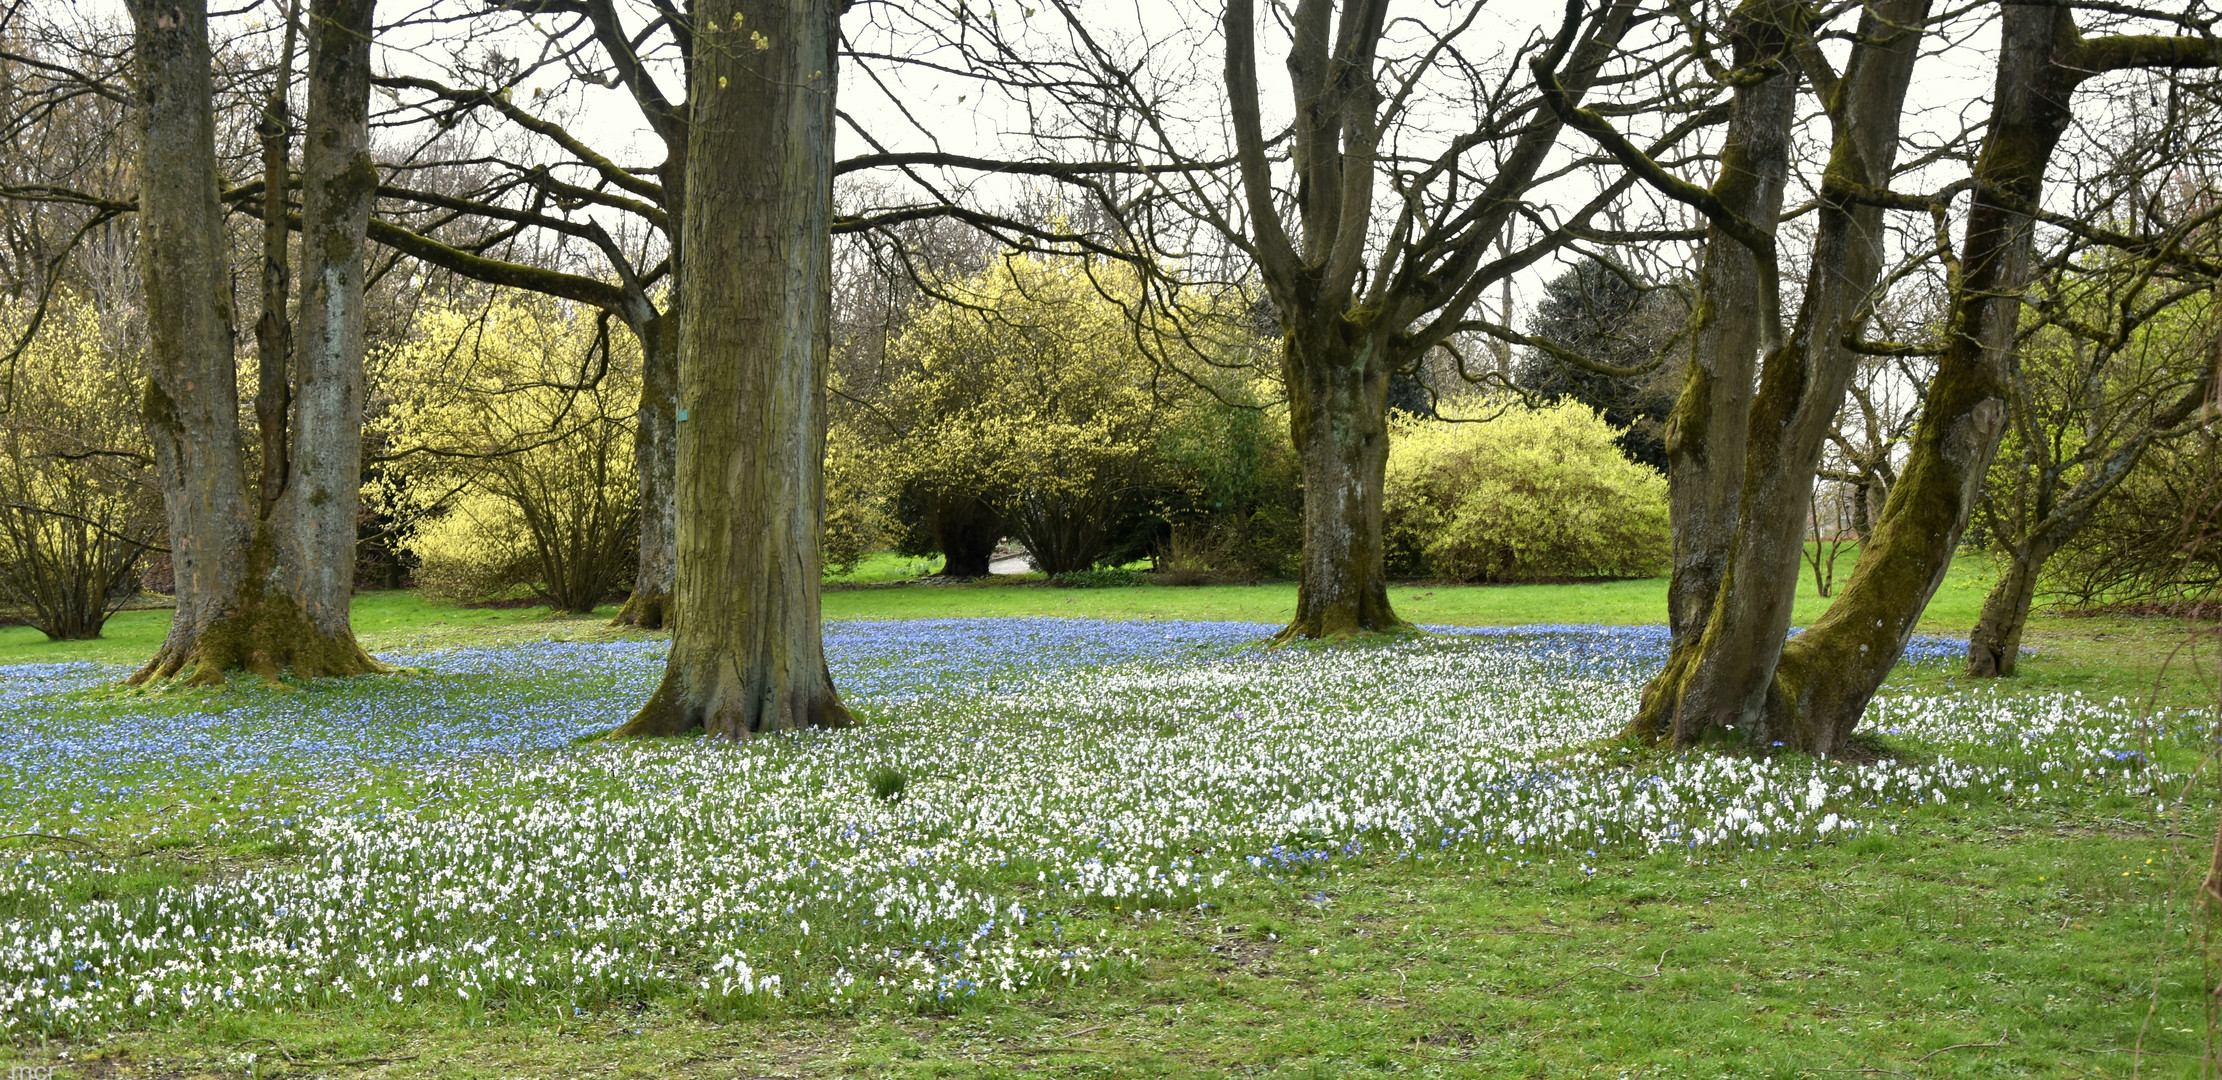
(1527, 495)
(1230, 485)
(513, 451)
(1103, 577)
(476, 546)
(1032, 398)
(2154, 543)
(77, 509)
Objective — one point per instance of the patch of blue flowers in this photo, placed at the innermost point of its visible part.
(76, 736)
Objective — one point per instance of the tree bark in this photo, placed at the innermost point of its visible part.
(1707, 432)
(274, 329)
(655, 457)
(191, 398)
(1338, 417)
(1994, 645)
(1828, 674)
(314, 520)
(748, 655)
(1801, 391)
(266, 595)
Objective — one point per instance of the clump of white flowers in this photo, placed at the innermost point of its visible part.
(1071, 763)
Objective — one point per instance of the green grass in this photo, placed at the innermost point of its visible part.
(1984, 943)
(383, 620)
(1996, 938)
(1612, 603)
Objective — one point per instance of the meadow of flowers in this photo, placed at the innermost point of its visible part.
(449, 836)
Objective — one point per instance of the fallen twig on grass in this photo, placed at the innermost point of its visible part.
(86, 844)
(1954, 1046)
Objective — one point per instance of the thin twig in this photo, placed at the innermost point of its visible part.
(86, 844)
(1954, 1046)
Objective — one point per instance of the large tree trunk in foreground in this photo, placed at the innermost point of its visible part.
(1828, 674)
(1802, 388)
(264, 595)
(315, 517)
(655, 457)
(1338, 404)
(747, 656)
(1708, 430)
(191, 401)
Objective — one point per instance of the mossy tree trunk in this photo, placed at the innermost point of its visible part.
(315, 516)
(748, 656)
(655, 458)
(1994, 645)
(191, 397)
(1707, 431)
(267, 594)
(1338, 404)
(1802, 386)
(1828, 674)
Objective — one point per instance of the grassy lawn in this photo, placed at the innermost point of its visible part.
(2038, 921)
(879, 595)
(385, 621)
(1985, 943)
(886, 586)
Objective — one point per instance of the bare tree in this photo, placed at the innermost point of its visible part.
(1828, 674)
(1371, 229)
(1761, 397)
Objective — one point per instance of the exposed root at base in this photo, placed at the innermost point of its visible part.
(645, 611)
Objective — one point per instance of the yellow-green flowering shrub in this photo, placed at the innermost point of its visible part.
(77, 504)
(1527, 495)
(1033, 395)
(858, 521)
(509, 433)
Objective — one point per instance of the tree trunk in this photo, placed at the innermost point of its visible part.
(1801, 390)
(260, 594)
(191, 398)
(748, 656)
(655, 457)
(1828, 674)
(1995, 643)
(274, 329)
(966, 529)
(1338, 397)
(1707, 431)
(314, 522)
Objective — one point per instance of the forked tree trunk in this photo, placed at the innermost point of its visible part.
(1828, 674)
(655, 458)
(1994, 645)
(1802, 388)
(191, 397)
(747, 656)
(266, 595)
(1707, 432)
(1338, 417)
